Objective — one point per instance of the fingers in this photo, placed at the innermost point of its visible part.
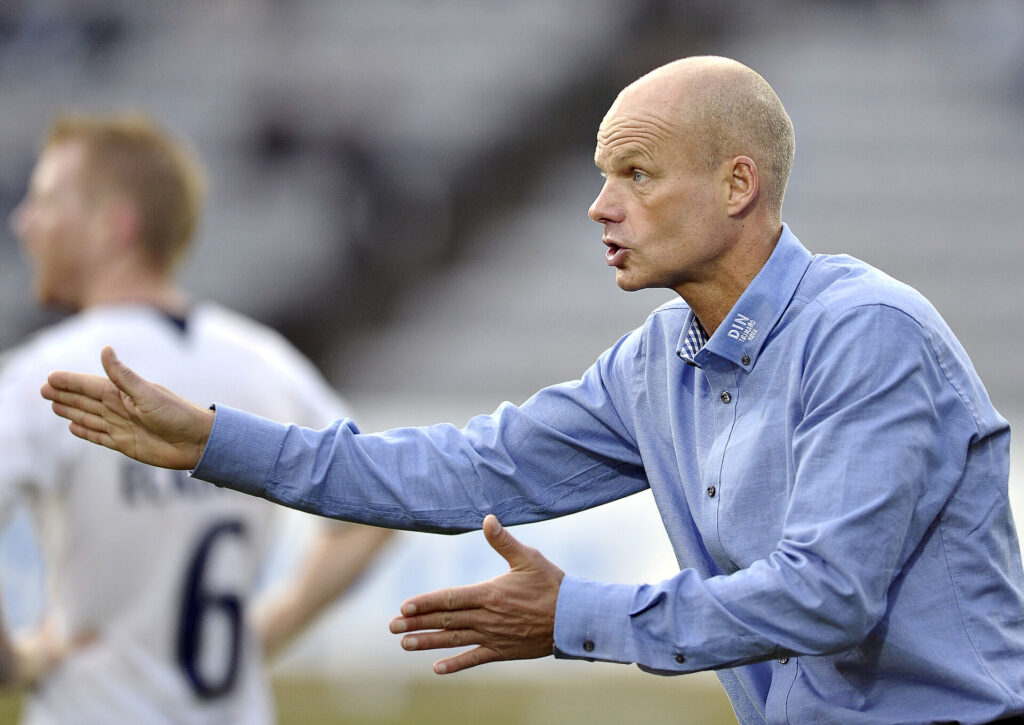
(70, 405)
(465, 660)
(82, 419)
(469, 597)
(91, 418)
(511, 549)
(93, 436)
(60, 385)
(442, 601)
(444, 619)
(120, 374)
(445, 639)
(508, 617)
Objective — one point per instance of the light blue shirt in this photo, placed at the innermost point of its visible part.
(829, 468)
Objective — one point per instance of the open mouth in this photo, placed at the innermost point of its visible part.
(614, 254)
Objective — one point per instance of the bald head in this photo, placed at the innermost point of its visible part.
(721, 109)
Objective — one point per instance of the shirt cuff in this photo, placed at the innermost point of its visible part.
(241, 451)
(592, 620)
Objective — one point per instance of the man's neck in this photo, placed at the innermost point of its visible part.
(711, 300)
(159, 293)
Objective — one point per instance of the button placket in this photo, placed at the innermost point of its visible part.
(722, 383)
(726, 398)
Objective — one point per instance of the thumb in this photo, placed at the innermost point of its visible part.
(510, 548)
(120, 374)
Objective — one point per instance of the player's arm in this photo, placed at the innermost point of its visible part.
(129, 414)
(336, 558)
(8, 658)
(24, 660)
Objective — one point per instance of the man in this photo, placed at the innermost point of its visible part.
(828, 466)
(150, 575)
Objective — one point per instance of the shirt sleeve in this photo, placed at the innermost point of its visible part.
(879, 447)
(568, 448)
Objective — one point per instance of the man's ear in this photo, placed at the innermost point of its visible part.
(124, 222)
(743, 185)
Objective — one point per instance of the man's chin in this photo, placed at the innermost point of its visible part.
(627, 283)
(56, 302)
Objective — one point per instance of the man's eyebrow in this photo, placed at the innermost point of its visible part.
(621, 158)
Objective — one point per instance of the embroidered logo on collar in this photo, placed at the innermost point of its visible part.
(743, 328)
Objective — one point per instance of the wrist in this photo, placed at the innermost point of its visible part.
(30, 659)
(203, 429)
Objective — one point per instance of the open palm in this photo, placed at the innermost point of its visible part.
(129, 414)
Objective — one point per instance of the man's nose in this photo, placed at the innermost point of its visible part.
(17, 220)
(604, 209)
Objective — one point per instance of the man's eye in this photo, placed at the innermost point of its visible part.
(639, 176)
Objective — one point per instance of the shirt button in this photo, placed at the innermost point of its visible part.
(726, 397)
(784, 660)
(680, 659)
(745, 359)
(588, 646)
(712, 491)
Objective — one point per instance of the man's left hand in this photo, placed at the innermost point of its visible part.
(510, 617)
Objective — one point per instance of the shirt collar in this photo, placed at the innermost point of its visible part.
(744, 330)
(694, 339)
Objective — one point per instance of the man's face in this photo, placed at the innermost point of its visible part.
(56, 223)
(660, 211)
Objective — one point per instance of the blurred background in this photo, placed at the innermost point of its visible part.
(401, 186)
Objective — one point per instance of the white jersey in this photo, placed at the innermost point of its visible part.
(159, 566)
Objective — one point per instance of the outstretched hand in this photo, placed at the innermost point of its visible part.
(510, 617)
(130, 414)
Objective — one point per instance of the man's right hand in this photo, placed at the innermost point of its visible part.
(129, 414)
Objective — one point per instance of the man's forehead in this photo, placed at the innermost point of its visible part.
(66, 152)
(49, 165)
(627, 133)
(59, 167)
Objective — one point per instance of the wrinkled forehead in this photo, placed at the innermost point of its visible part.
(638, 124)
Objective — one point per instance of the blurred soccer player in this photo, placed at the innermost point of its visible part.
(150, 574)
